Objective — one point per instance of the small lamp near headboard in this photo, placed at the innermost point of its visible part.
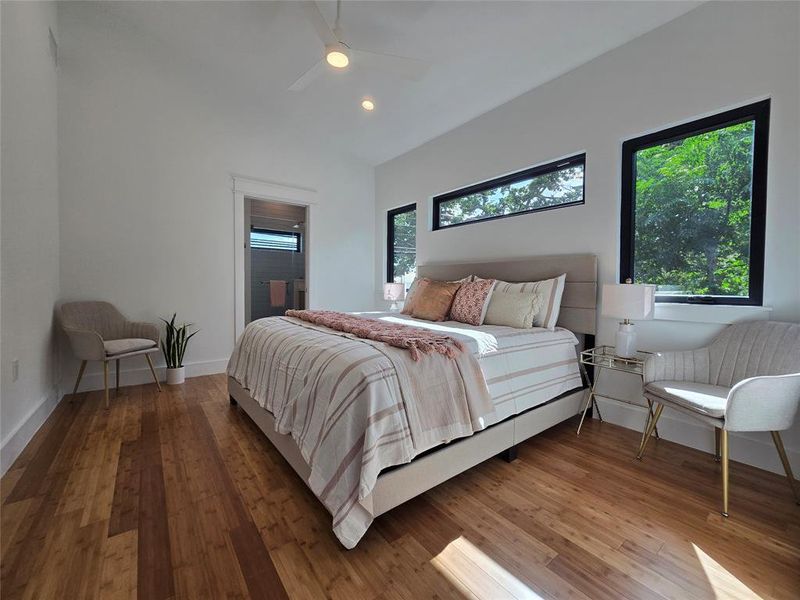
(393, 292)
(628, 301)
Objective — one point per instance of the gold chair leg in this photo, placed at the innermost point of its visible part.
(105, 379)
(776, 437)
(153, 371)
(724, 444)
(80, 375)
(717, 431)
(649, 431)
(117, 372)
(646, 422)
(650, 410)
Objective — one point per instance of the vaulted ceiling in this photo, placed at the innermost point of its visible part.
(481, 54)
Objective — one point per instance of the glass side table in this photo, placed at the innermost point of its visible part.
(601, 358)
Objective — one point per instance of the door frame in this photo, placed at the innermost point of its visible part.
(245, 189)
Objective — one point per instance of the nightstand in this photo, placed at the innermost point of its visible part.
(602, 358)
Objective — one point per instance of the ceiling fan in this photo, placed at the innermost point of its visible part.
(338, 54)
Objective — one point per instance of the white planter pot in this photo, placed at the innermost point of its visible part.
(176, 376)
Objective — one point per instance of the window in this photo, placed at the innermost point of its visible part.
(267, 239)
(545, 187)
(694, 208)
(401, 245)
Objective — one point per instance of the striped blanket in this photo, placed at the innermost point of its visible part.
(356, 406)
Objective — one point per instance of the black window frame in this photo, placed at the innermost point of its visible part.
(295, 234)
(530, 173)
(757, 112)
(390, 215)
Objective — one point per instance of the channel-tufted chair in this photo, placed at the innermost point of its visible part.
(748, 379)
(98, 331)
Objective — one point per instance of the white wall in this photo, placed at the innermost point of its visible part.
(30, 231)
(715, 57)
(147, 208)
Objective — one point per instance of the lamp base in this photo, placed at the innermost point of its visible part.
(626, 341)
(395, 307)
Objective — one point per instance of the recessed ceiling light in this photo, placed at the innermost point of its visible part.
(337, 55)
(367, 104)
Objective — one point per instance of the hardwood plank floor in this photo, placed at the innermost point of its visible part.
(179, 495)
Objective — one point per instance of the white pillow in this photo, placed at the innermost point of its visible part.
(513, 309)
(550, 290)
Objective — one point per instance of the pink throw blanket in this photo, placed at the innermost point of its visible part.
(417, 341)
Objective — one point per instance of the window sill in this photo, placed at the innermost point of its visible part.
(700, 313)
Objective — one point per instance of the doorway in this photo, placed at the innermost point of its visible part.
(245, 191)
(275, 258)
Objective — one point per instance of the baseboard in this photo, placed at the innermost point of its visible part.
(139, 375)
(748, 448)
(16, 441)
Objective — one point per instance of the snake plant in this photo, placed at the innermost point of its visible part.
(174, 343)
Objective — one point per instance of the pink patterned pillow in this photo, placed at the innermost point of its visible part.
(471, 301)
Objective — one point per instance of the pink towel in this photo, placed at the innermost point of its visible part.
(277, 292)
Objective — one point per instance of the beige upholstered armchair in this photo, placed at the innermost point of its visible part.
(748, 379)
(98, 331)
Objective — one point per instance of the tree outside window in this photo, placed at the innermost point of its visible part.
(544, 187)
(402, 245)
(696, 207)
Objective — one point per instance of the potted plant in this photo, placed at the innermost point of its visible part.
(174, 347)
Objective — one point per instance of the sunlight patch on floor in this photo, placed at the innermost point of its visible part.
(722, 581)
(473, 572)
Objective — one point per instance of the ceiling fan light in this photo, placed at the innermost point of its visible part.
(337, 56)
(368, 104)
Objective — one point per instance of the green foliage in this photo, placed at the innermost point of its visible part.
(405, 243)
(692, 224)
(551, 189)
(175, 341)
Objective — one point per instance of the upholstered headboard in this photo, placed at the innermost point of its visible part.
(579, 303)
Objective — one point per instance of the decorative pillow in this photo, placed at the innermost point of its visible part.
(550, 290)
(471, 301)
(433, 299)
(513, 309)
(408, 305)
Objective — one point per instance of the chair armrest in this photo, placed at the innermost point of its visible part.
(86, 344)
(680, 365)
(768, 403)
(146, 331)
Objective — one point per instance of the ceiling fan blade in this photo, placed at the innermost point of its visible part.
(308, 77)
(407, 68)
(321, 26)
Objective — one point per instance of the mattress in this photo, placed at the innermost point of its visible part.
(523, 368)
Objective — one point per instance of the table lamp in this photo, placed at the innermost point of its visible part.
(393, 292)
(629, 302)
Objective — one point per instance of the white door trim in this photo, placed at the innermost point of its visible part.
(256, 189)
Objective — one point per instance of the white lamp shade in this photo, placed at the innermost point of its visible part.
(629, 301)
(393, 291)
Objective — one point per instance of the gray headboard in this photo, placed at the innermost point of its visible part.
(579, 303)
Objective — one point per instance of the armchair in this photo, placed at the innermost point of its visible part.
(98, 331)
(747, 379)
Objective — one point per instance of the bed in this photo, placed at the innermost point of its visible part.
(343, 411)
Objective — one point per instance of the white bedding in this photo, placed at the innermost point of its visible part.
(523, 368)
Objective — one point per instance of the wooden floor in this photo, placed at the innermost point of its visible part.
(179, 495)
